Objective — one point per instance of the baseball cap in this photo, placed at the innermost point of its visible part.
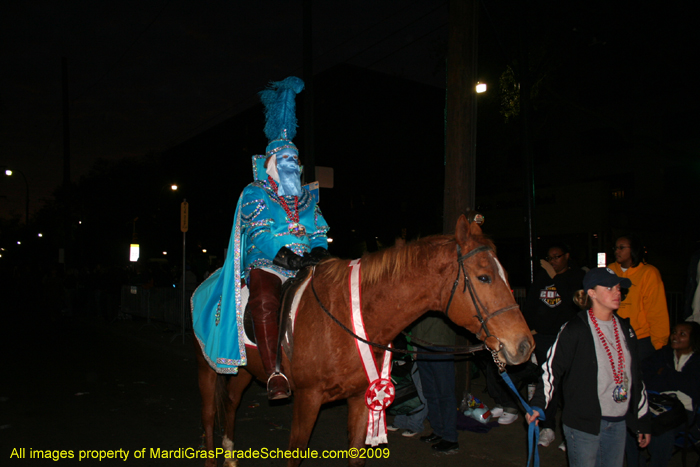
(605, 277)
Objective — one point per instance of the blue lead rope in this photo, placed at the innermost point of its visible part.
(533, 433)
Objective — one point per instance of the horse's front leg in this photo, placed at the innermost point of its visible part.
(357, 426)
(307, 403)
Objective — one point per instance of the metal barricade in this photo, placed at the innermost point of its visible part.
(161, 304)
(675, 301)
(520, 294)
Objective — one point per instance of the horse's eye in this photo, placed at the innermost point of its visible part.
(484, 279)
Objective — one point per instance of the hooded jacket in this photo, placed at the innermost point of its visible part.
(645, 304)
(550, 301)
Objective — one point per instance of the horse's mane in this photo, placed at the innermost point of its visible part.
(393, 261)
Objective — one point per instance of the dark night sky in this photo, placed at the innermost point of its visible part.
(145, 75)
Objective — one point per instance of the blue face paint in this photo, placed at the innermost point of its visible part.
(288, 161)
(289, 173)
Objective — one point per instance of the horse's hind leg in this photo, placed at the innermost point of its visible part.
(357, 426)
(306, 406)
(236, 386)
(207, 389)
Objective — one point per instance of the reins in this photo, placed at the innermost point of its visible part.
(483, 317)
(533, 432)
(478, 306)
(457, 350)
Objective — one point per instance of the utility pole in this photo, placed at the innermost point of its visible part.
(525, 80)
(66, 124)
(66, 163)
(460, 112)
(309, 147)
(460, 135)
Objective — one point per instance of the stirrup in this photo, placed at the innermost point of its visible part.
(276, 388)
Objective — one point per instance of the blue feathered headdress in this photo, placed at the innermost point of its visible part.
(280, 113)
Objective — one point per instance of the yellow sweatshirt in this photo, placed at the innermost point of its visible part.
(645, 304)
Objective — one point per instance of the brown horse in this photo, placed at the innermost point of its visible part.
(399, 284)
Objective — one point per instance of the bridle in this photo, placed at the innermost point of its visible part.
(453, 350)
(478, 306)
(482, 314)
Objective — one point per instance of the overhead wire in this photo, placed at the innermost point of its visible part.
(218, 116)
(407, 45)
(397, 32)
(52, 141)
(368, 28)
(126, 51)
(227, 111)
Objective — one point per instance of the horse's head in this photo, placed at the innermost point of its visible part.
(481, 299)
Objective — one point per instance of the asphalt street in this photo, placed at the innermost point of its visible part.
(130, 388)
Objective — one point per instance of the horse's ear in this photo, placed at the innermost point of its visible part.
(466, 229)
(462, 231)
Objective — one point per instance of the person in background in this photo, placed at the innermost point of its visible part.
(411, 423)
(691, 311)
(549, 305)
(672, 369)
(645, 303)
(594, 364)
(437, 376)
(505, 409)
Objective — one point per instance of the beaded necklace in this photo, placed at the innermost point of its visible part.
(295, 228)
(620, 391)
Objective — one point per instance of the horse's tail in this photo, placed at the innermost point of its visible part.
(220, 395)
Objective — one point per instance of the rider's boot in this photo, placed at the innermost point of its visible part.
(264, 302)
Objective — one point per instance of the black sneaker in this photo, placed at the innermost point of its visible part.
(431, 438)
(445, 446)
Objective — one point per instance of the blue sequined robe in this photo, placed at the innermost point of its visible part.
(260, 229)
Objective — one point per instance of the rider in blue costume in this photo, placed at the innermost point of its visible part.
(278, 229)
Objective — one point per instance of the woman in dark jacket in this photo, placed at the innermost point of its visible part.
(592, 364)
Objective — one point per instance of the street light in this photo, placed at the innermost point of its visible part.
(134, 246)
(157, 213)
(170, 187)
(9, 173)
(479, 88)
